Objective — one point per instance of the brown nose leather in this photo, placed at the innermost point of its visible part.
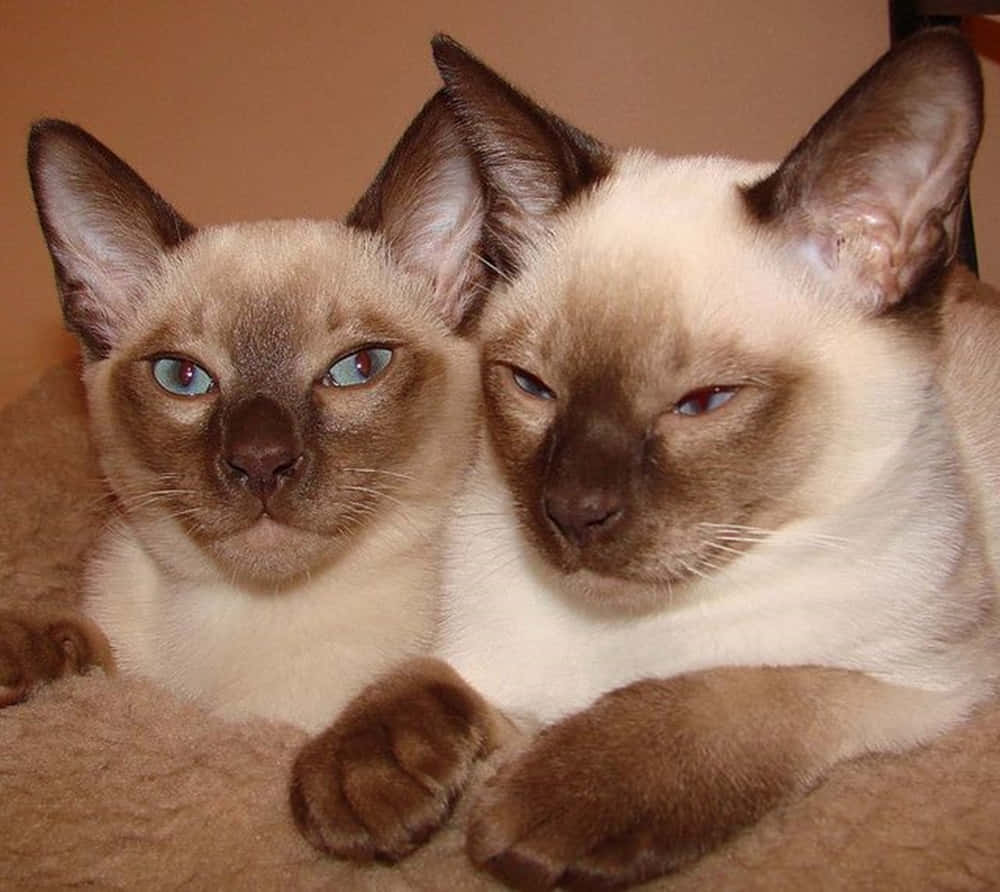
(592, 458)
(584, 517)
(262, 447)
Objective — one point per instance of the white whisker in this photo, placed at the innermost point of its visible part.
(381, 494)
(382, 471)
(726, 548)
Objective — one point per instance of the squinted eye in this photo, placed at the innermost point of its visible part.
(706, 399)
(182, 377)
(358, 367)
(531, 385)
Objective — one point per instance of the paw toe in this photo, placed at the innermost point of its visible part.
(323, 817)
(524, 854)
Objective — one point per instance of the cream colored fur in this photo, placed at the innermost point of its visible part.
(873, 577)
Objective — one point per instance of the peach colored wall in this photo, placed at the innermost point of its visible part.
(237, 109)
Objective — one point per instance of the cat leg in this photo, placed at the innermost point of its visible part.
(657, 773)
(39, 644)
(386, 775)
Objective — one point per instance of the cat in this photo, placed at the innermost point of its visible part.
(734, 518)
(282, 411)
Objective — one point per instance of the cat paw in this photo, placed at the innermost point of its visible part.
(637, 786)
(534, 840)
(551, 818)
(41, 644)
(386, 775)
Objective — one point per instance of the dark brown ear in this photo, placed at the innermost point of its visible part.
(874, 191)
(106, 229)
(427, 203)
(531, 161)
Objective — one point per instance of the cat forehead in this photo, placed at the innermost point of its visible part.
(250, 281)
(646, 192)
(323, 265)
(662, 249)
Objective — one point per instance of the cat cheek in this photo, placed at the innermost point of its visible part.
(521, 425)
(188, 415)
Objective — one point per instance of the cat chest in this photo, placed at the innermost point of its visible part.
(297, 659)
(535, 656)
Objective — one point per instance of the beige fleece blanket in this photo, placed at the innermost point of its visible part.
(110, 783)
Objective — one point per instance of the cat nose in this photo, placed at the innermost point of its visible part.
(584, 517)
(262, 467)
(262, 448)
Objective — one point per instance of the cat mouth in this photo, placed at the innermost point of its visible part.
(618, 593)
(267, 518)
(618, 580)
(265, 531)
(269, 526)
(268, 550)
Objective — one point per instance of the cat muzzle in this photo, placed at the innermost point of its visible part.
(262, 448)
(584, 518)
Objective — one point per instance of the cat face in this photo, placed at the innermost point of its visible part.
(646, 435)
(275, 409)
(263, 395)
(689, 355)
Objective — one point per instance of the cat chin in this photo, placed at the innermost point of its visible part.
(271, 553)
(620, 590)
(614, 594)
(634, 590)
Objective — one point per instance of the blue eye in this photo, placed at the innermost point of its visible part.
(531, 385)
(358, 367)
(182, 377)
(706, 399)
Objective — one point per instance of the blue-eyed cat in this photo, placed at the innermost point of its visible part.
(282, 411)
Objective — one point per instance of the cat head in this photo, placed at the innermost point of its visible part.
(263, 395)
(684, 356)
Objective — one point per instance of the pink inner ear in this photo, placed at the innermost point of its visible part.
(874, 191)
(866, 247)
(427, 204)
(878, 255)
(531, 161)
(107, 230)
(437, 233)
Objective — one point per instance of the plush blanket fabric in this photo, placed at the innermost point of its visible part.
(112, 783)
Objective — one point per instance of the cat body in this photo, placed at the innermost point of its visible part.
(282, 411)
(362, 592)
(734, 514)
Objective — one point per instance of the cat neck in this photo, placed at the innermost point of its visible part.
(296, 654)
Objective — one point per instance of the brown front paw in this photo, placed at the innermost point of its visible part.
(39, 644)
(549, 816)
(387, 773)
(643, 782)
(535, 838)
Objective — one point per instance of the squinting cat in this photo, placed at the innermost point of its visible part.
(735, 516)
(282, 411)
